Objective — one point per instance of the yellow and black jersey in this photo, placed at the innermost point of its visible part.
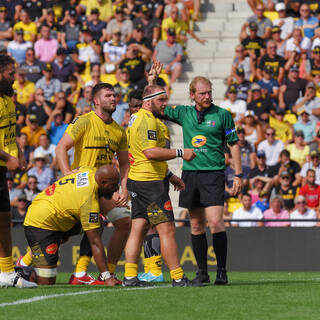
(8, 127)
(166, 133)
(145, 132)
(95, 141)
(71, 199)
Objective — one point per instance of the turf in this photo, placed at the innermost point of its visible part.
(251, 295)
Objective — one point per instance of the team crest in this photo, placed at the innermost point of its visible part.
(199, 141)
(52, 248)
(131, 158)
(168, 205)
(50, 190)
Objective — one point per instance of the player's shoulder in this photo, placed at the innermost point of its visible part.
(116, 126)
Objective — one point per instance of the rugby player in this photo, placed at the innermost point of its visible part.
(65, 208)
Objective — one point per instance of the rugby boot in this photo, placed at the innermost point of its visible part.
(134, 282)
(86, 279)
(185, 282)
(221, 278)
(201, 277)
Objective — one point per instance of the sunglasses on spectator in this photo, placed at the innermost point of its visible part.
(270, 134)
(285, 178)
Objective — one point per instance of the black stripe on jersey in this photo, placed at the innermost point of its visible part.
(98, 147)
(8, 125)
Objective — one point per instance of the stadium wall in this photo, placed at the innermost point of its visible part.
(250, 249)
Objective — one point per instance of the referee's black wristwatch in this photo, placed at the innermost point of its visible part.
(239, 175)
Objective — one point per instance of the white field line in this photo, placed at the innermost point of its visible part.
(40, 298)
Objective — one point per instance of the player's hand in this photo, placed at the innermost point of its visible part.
(188, 154)
(13, 163)
(177, 183)
(237, 186)
(22, 162)
(120, 199)
(111, 282)
(154, 72)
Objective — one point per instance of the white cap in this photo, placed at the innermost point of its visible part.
(280, 6)
(249, 113)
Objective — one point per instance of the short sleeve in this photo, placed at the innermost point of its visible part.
(89, 214)
(229, 128)
(176, 113)
(77, 128)
(148, 133)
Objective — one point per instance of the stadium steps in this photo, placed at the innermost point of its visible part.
(220, 26)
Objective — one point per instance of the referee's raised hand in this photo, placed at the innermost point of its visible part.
(188, 154)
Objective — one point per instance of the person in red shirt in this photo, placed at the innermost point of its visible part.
(311, 191)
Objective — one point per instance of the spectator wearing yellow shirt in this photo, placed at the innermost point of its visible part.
(33, 131)
(104, 6)
(283, 129)
(29, 27)
(299, 152)
(24, 88)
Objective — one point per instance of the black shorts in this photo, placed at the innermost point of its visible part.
(203, 189)
(45, 244)
(4, 192)
(150, 200)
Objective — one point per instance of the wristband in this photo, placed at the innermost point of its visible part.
(105, 275)
(169, 174)
(240, 175)
(179, 153)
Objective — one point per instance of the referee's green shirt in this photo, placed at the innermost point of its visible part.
(208, 138)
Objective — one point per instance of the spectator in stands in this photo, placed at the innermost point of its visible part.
(264, 24)
(29, 27)
(263, 202)
(313, 65)
(260, 105)
(285, 190)
(182, 10)
(269, 86)
(62, 68)
(291, 89)
(276, 212)
(50, 85)
(14, 192)
(307, 126)
(293, 8)
(20, 113)
(131, 8)
(17, 48)
(70, 32)
(261, 169)
(236, 106)
(35, 9)
(74, 91)
(86, 100)
(26, 149)
(18, 213)
(252, 128)
(33, 131)
(259, 184)
(24, 88)
(298, 43)
(309, 102)
(48, 149)
(247, 212)
(311, 190)
(96, 25)
(55, 126)
(285, 23)
(307, 22)
(46, 47)
(170, 53)
(31, 190)
(122, 109)
(113, 51)
(281, 44)
(272, 59)
(242, 84)
(299, 151)
(271, 147)
(5, 26)
(87, 50)
(41, 171)
(104, 7)
(313, 164)
(50, 21)
(124, 84)
(254, 45)
(283, 128)
(151, 25)
(64, 106)
(120, 22)
(301, 213)
(33, 66)
(287, 165)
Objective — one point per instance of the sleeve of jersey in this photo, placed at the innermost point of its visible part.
(229, 128)
(175, 113)
(77, 127)
(147, 133)
(89, 214)
(123, 143)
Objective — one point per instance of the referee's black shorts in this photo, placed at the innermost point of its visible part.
(150, 200)
(203, 189)
(4, 192)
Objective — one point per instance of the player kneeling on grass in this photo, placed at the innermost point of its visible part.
(63, 209)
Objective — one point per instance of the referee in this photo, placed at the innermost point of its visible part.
(206, 129)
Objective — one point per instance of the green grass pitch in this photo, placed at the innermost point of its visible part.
(263, 295)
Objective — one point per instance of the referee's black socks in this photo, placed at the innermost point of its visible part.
(200, 249)
(220, 246)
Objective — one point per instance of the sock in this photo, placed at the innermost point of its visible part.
(146, 262)
(82, 264)
(176, 274)
(27, 259)
(156, 265)
(220, 247)
(130, 270)
(200, 250)
(111, 267)
(6, 264)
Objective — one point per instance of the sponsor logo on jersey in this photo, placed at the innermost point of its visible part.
(199, 141)
(152, 135)
(168, 205)
(52, 248)
(82, 179)
(132, 119)
(173, 107)
(210, 123)
(229, 131)
(131, 158)
(50, 190)
(93, 217)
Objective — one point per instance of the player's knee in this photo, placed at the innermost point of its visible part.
(216, 225)
(46, 276)
(197, 227)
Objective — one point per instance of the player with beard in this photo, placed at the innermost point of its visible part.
(62, 210)
(11, 158)
(148, 183)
